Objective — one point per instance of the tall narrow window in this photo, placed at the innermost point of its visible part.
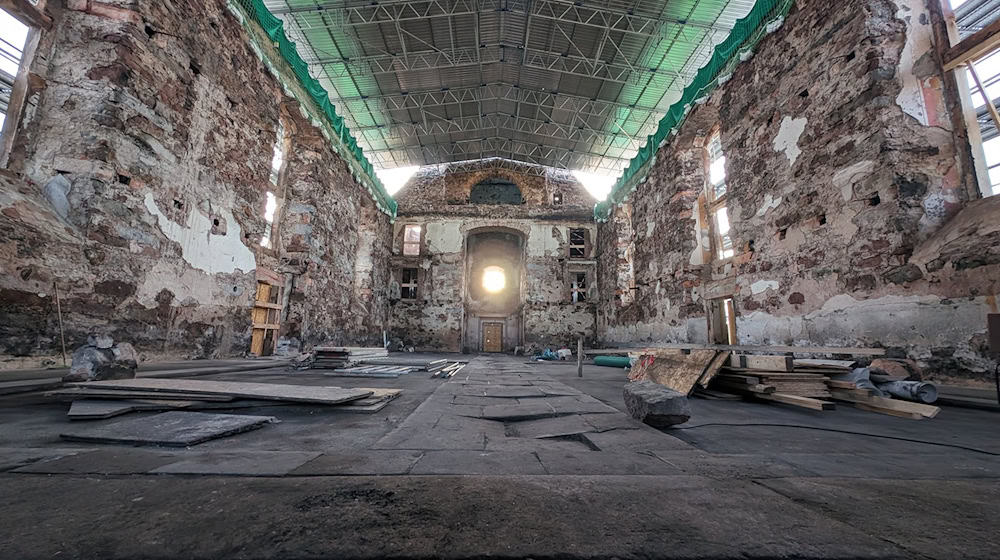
(717, 190)
(278, 159)
(411, 240)
(269, 208)
(408, 284)
(578, 287)
(557, 199)
(577, 243)
(12, 42)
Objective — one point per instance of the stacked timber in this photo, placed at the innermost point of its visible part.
(335, 357)
(774, 378)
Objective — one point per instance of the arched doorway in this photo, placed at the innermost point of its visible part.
(493, 264)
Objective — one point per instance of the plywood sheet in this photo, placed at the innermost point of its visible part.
(174, 429)
(713, 368)
(675, 370)
(263, 391)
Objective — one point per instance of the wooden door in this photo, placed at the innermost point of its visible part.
(492, 337)
(266, 315)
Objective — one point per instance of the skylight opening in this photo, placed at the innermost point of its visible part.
(394, 179)
(599, 186)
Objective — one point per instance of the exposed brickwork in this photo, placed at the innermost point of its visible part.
(166, 147)
(841, 163)
(444, 316)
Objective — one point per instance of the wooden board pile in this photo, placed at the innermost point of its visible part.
(104, 399)
(334, 357)
(677, 370)
(394, 367)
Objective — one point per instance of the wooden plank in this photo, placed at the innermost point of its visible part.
(833, 383)
(675, 370)
(713, 368)
(889, 411)
(738, 348)
(26, 13)
(862, 396)
(263, 391)
(29, 385)
(74, 393)
(767, 363)
(795, 400)
(717, 395)
(174, 428)
(758, 388)
(973, 47)
(810, 363)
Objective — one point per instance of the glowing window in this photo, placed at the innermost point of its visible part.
(411, 240)
(269, 209)
(717, 167)
(494, 279)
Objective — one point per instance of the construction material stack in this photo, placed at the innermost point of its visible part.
(336, 357)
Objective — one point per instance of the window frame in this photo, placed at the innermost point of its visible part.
(718, 202)
(582, 248)
(412, 286)
(418, 243)
(579, 294)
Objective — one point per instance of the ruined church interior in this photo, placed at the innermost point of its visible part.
(499, 278)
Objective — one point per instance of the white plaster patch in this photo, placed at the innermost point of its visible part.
(769, 203)
(650, 228)
(844, 179)
(762, 286)
(541, 243)
(201, 249)
(918, 42)
(787, 139)
(444, 237)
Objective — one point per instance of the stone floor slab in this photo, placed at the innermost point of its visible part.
(116, 461)
(174, 429)
(478, 462)
(603, 463)
(361, 462)
(247, 463)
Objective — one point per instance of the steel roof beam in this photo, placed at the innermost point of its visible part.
(524, 125)
(492, 54)
(507, 93)
(567, 11)
(562, 157)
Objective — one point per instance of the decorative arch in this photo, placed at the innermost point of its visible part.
(495, 190)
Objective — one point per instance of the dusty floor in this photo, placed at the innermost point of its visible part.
(509, 459)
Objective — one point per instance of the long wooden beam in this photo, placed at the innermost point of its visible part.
(973, 47)
(736, 348)
(27, 13)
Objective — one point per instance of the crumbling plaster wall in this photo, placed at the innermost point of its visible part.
(846, 158)
(138, 186)
(438, 201)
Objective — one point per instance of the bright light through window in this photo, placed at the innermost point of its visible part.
(269, 208)
(494, 280)
(394, 179)
(597, 185)
(13, 34)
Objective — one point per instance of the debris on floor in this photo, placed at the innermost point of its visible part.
(395, 366)
(335, 357)
(656, 405)
(173, 429)
(105, 399)
(101, 358)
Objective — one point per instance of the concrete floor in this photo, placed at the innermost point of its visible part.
(508, 459)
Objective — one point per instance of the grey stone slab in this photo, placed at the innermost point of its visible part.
(239, 463)
(104, 461)
(931, 519)
(606, 422)
(643, 440)
(450, 432)
(550, 427)
(730, 466)
(480, 401)
(478, 462)
(603, 463)
(265, 391)
(470, 410)
(509, 392)
(579, 405)
(958, 464)
(515, 412)
(175, 428)
(361, 462)
(12, 458)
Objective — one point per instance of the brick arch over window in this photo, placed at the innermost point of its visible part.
(495, 190)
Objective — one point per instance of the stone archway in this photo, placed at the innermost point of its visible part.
(490, 311)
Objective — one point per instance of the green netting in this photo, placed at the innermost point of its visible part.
(274, 28)
(765, 17)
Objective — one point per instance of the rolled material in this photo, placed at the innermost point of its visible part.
(918, 391)
(612, 361)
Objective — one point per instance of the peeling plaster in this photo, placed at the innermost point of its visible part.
(918, 43)
(762, 286)
(787, 139)
(199, 247)
(769, 203)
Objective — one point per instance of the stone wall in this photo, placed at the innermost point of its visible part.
(846, 165)
(442, 316)
(157, 120)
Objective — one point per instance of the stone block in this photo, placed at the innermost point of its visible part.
(100, 359)
(655, 404)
